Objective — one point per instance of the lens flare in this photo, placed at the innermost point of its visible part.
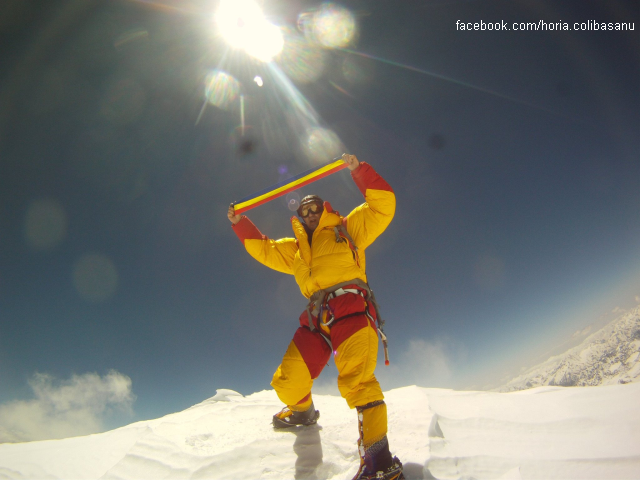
(333, 26)
(302, 61)
(243, 26)
(95, 277)
(468, 85)
(130, 36)
(293, 201)
(321, 145)
(221, 89)
(358, 70)
(245, 140)
(45, 224)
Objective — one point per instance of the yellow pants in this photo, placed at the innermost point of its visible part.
(355, 349)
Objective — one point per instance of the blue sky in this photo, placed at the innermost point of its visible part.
(514, 157)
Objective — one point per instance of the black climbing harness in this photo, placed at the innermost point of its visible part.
(319, 299)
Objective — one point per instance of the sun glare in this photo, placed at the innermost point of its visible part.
(243, 26)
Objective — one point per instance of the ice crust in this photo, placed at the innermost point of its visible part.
(540, 433)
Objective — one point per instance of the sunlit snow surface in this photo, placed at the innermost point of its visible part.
(542, 433)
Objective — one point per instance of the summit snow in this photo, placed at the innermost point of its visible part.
(540, 433)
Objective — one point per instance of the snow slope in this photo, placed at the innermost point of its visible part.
(609, 356)
(541, 433)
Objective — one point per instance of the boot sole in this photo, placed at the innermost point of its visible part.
(281, 424)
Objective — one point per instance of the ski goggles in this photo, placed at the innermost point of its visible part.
(305, 210)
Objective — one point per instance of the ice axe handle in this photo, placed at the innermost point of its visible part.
(386, 352)
(385, 346)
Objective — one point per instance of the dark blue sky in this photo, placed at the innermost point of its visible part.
(515, 157)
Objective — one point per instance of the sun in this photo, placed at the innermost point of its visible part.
(243, 25)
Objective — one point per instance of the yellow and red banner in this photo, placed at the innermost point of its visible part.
(289, 185)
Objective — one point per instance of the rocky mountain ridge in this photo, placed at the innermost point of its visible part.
(611, 355)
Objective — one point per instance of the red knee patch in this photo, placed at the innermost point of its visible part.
(347, 327)
(314, 350)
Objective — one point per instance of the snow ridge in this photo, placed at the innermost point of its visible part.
(609, 356)
(550, 433)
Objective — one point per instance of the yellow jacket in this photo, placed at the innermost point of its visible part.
(326, 262)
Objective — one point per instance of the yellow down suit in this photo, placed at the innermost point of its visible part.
(319, 263)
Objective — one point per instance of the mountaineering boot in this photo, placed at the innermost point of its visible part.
(376, 461)
(288, 418)
(394, 472)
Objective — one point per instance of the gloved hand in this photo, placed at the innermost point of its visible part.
(351, 161)
(231, 215)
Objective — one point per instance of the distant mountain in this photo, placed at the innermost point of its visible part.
(609, 356)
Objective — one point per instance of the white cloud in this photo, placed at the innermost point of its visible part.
(65, 408)
(637, 297)
(422, 363)
(327, 384)
(581, 333)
